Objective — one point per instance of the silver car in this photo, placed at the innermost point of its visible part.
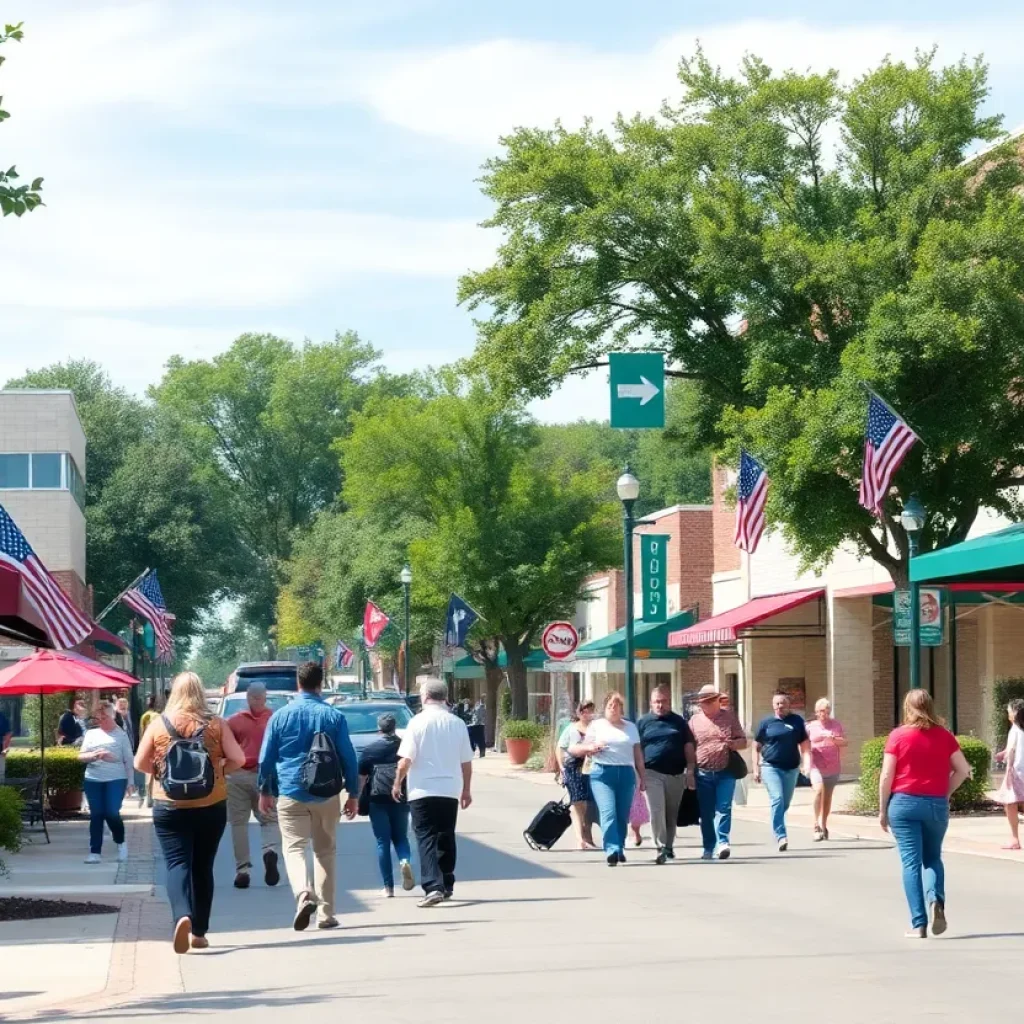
(361, 717)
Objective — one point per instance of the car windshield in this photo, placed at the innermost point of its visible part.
(233, 704)
(362, 718)
(271, 680)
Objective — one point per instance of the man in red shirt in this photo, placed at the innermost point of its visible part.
(243, 792)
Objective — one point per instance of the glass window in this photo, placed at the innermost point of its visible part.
(13, 471)
(75, 484)
(46, 471)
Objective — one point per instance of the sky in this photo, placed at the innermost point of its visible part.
(220, 166)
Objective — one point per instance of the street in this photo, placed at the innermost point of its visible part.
(560, 933)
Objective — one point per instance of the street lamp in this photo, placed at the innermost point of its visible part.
(913, 518)
(628, 488)
(406, 584)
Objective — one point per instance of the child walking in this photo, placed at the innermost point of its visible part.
(1011, 792)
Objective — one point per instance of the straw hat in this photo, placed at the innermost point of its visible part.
(707, 692)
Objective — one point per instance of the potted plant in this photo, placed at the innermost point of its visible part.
(65, 775)
(520, 737)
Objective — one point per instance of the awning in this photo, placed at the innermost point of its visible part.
(995, 558)
(650, 641)
(469, 668)
(18, 619)
(726, 628)
(105, 641)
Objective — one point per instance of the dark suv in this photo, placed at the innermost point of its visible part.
(274, 675)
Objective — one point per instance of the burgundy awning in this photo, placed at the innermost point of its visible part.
(18, 619)
(724, 628)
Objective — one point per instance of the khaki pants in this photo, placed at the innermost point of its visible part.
(664, 795)
(303, 824)
(243, 800)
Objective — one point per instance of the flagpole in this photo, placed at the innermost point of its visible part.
(134, 583)
(871, 391)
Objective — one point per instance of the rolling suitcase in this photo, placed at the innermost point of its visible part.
(548, 826)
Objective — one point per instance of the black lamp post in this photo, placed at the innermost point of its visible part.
(913, 518)
(406, 584)
(628, 488)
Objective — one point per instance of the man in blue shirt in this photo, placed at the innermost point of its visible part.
(781, 748)
(305, 819)
(6, 735)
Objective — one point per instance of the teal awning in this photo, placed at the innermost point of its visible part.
(995, 558)
(469, 668)
(650, 641)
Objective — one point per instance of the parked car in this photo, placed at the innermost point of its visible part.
(274, 675)
(361, 717)
(235, 702)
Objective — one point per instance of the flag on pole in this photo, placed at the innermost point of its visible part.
(374, 623)
(65, 625)
(886, 443)
(343, 655)
(751, 496)
(460, 619)
(146, 600)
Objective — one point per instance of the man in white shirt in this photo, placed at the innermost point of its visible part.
(437, 757)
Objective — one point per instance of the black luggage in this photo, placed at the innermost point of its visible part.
(548, 826)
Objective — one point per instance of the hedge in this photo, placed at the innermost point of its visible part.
(10, 823)
(64, 772)
(1003, 692)
(970, 795)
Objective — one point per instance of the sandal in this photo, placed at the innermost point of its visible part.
(819, 833)
(1011, 846)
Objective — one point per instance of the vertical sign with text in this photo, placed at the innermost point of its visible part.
(654, 576)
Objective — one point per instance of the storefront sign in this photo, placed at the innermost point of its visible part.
(654, 576)
(930, 618)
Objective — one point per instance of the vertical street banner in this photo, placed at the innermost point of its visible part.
(654, 576)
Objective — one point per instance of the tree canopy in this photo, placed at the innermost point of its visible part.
(786, 239)
(16, 199)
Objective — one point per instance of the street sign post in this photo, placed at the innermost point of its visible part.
(559, 640)
(653, 576)
(637, 390)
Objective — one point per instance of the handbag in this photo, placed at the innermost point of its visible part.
(588, 765)
(689, 809)
(736, 767)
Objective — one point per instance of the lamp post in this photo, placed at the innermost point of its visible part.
(406, 584)
(912, 518)
(628, 488)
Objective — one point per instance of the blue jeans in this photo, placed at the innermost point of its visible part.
(390, 824)
(105, 799)
(714, 795)
(781, 784)
(613, 786)
(918, 824)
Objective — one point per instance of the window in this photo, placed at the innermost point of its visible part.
(75, 484)
(13, 471)
(46, 471)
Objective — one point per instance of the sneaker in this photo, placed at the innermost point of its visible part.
(916, 933)
(93, 858)
(182, 933)
(938, 917)
(707, 855)
(304, 913)
(242, 878)
(200, 942)
(622, 858)
(271, 873)
(448, 894)
(387, 893)
(432, 899)
(122, 852)
(724, 853)
(613, 860)
(783, 844)
(408, 882)
(661, 858)
(327, 923)
(670, 853)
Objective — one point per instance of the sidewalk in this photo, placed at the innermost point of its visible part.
(980, 836)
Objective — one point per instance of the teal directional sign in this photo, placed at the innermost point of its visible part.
(637, 390)
(654, 576)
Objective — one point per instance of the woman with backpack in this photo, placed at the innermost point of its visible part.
(188, 751)
(389, 818)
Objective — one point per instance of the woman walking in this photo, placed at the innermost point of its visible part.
(923, 766)
(189, 831)
(107, 754)
(781, 751)
(613, 745)
(570, 753)
(827, 741)
(389, 818)
(1011, 792)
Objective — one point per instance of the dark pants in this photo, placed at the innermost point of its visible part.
(433, 821)
(478, 738)
(189, 838)
(390, 823)
(105, 799)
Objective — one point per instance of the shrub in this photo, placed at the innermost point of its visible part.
(10, 823)
(970, 794)
(54, 705)
(64, 772)
(520, 729)
(1003, 692)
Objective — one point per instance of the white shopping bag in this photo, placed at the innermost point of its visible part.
(740, 796)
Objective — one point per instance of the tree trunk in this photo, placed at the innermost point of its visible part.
(493, 684)
(517, 679)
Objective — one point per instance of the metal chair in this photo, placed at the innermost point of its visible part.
(32, 808)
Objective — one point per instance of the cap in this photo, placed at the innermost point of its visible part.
(707, 692)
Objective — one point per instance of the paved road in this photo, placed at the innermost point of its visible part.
(815, 933)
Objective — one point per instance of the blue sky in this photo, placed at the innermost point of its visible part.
(214, 166)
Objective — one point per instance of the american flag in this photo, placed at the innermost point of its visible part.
(343, 656)
(886, 444)
(752, 493)
(65, 625)
(147, 600)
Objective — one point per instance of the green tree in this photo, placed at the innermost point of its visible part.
(16, 199)
(222, 644)
(782, 276)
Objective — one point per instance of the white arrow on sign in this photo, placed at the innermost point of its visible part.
(645, 391)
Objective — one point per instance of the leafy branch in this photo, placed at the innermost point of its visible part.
(16, 199)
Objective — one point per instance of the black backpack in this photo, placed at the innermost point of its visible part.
(188, 768)
(321, 771)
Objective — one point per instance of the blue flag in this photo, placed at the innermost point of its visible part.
(460, 618)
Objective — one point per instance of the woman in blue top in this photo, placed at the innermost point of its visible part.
(782, 749)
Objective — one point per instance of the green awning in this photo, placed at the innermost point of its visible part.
(469, 668)
(995, 558)
(650, 641)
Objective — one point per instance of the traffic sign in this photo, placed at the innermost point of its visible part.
(637, 390)
(559, 640)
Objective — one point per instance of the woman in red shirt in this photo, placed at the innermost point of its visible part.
(923, 766)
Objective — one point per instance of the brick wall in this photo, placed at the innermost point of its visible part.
(690, 556)
(881, 671)
(725, 554)
(974, 714)
(850, 672)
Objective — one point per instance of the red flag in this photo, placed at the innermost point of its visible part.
(374, 623)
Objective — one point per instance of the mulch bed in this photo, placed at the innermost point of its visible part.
(18, 908)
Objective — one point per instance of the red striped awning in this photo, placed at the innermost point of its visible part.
(724, 628)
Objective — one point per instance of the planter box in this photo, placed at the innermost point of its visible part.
(519, 751)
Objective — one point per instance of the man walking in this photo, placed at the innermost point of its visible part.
(436, 755)
(782, 749)
(478, 727)
(669, 757)
(249, 727)
(307, 747)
